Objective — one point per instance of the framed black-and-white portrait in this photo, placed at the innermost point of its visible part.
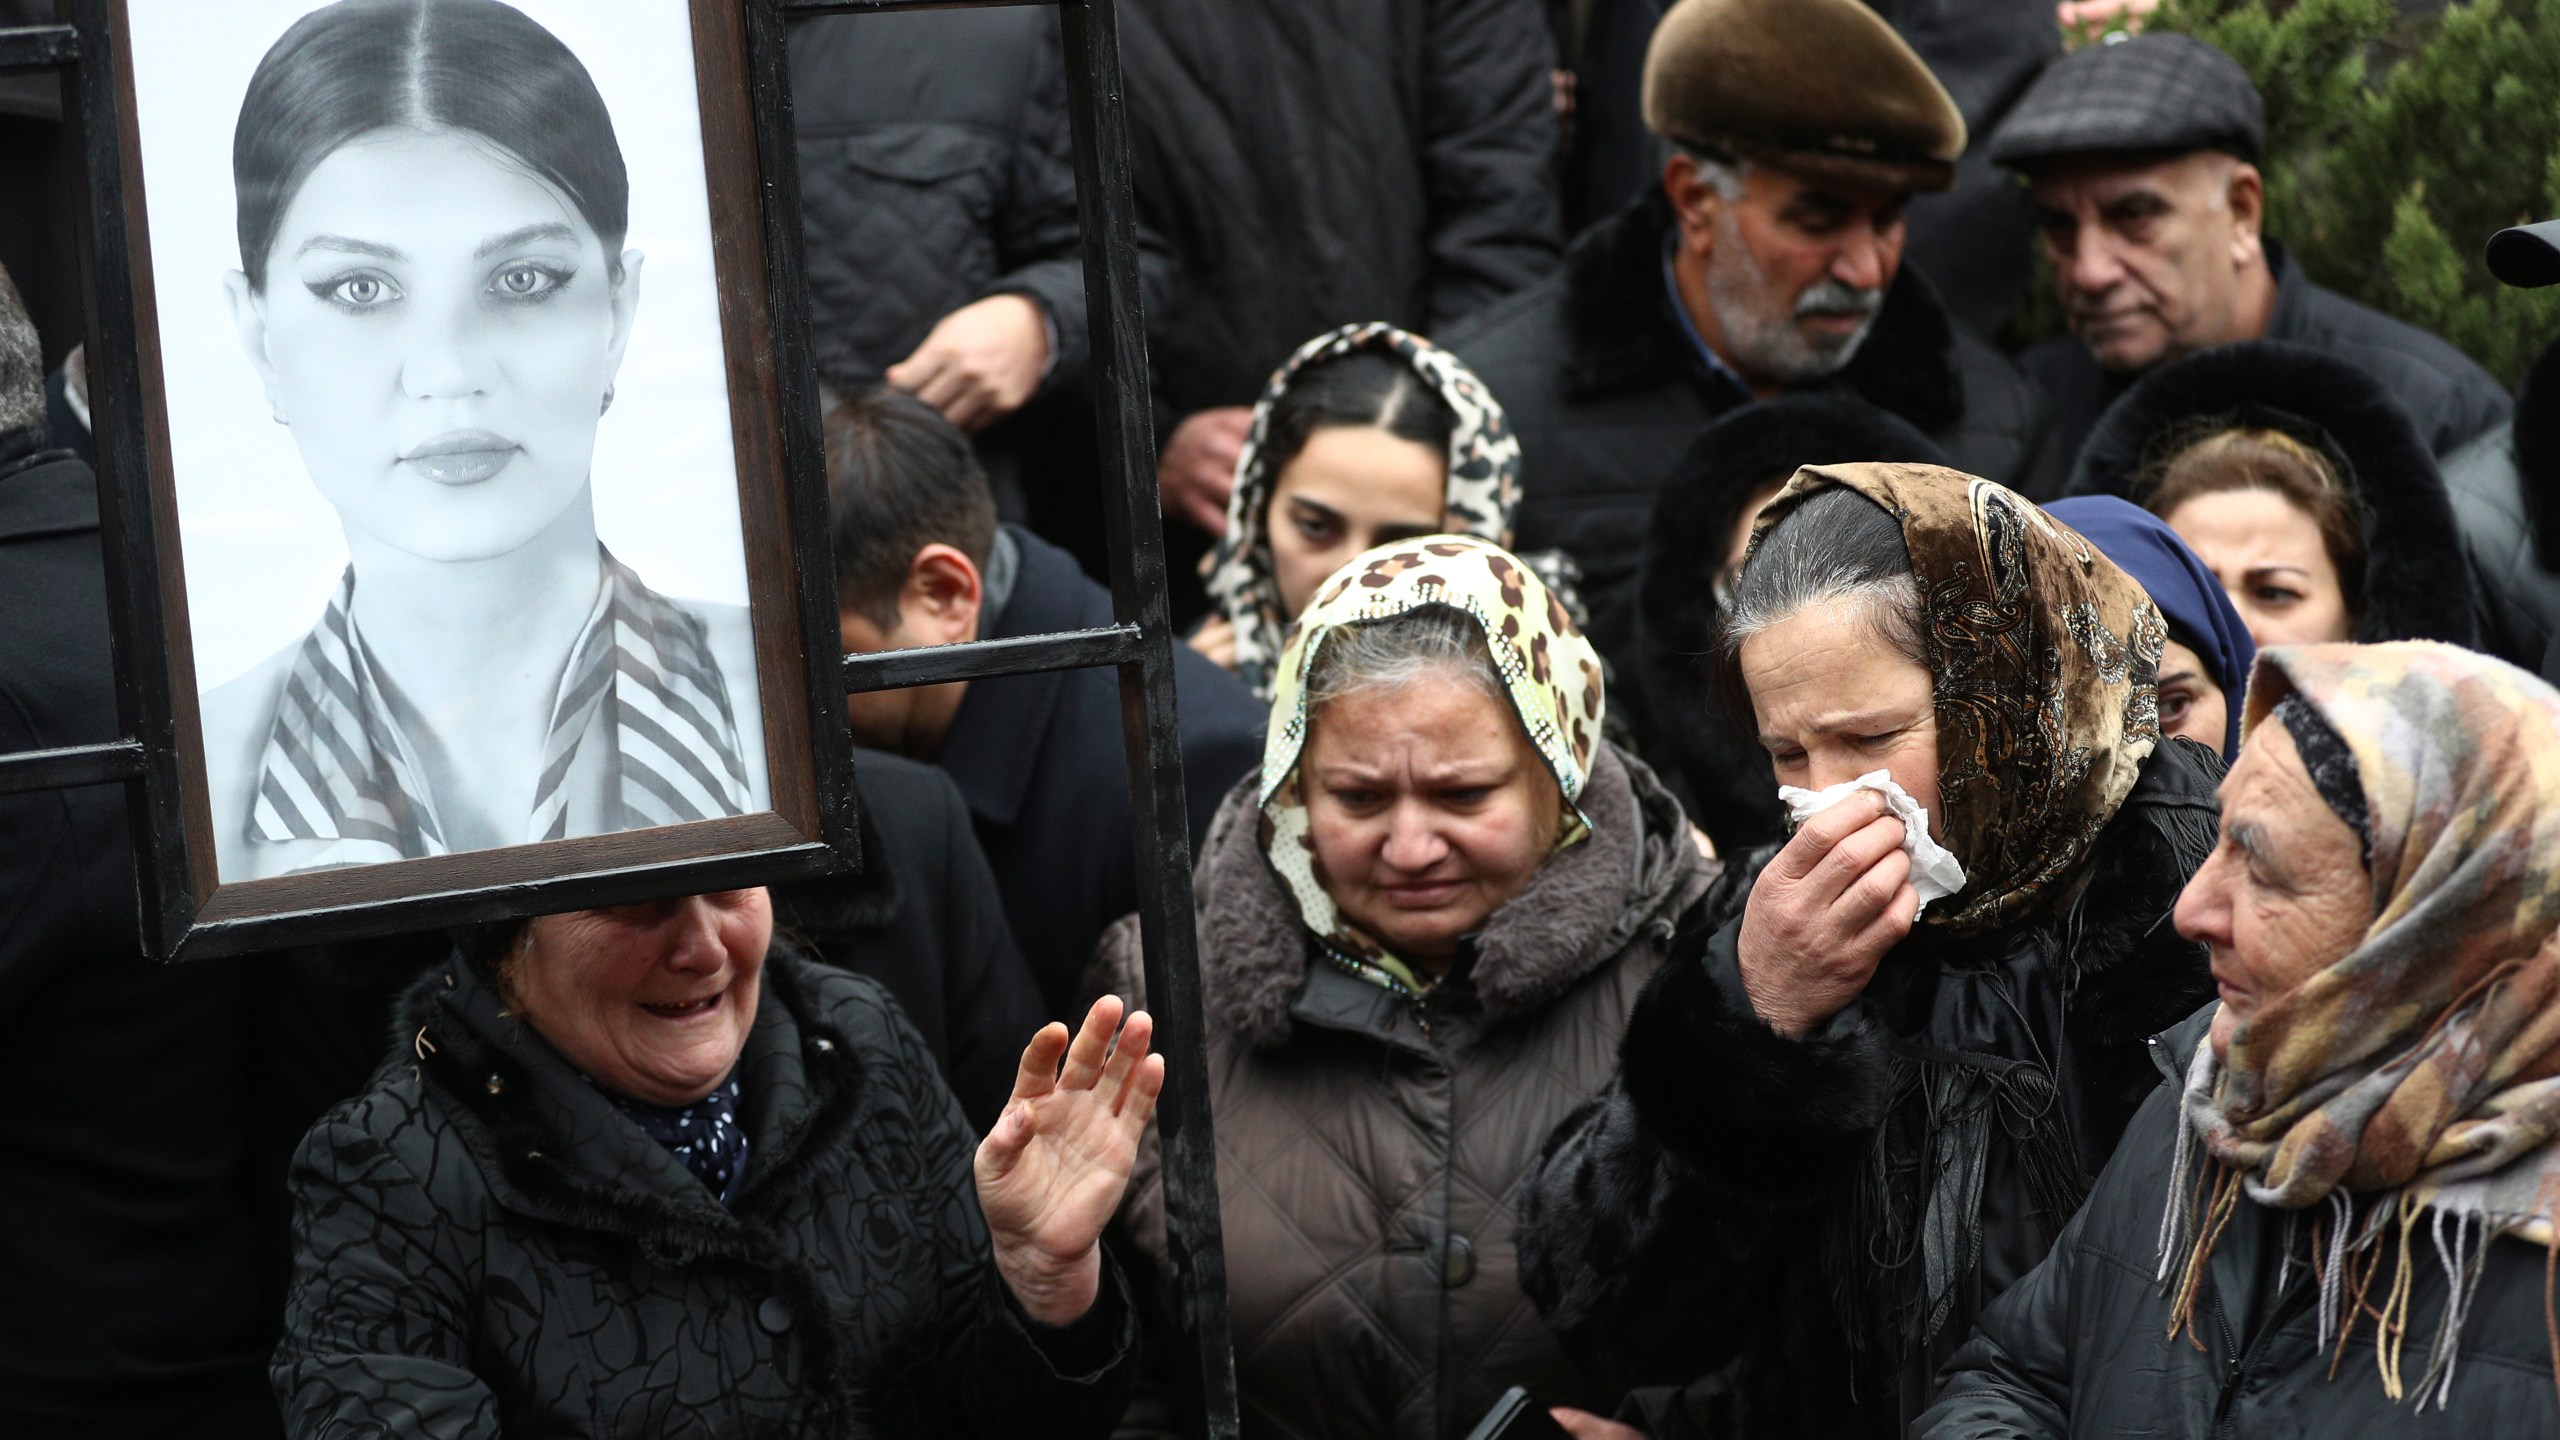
(476, 541)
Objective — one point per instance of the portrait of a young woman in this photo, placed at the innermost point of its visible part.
(435, 291)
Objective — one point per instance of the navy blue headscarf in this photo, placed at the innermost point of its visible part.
(2200, 615)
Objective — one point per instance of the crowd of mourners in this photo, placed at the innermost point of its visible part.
(1766, 865)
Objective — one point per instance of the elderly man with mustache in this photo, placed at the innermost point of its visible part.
(1769, 260)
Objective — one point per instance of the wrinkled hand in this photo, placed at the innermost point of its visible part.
(1198, 469)
(1583, 1425)
(1052, 1171)
(980, 362)
(2088, 19)
(1216, 639)
(1824, 912)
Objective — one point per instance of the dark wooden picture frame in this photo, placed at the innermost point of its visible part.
(147, 759)
(811, 826)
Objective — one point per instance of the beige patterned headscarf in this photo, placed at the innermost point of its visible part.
(1550, 673)
(2391, 1082)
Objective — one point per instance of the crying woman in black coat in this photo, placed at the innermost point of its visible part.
(1842, 1125)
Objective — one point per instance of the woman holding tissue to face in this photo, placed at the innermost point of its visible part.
(1885, 1058)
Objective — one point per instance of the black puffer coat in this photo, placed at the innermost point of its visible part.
(1718, 1212)
(1317, 162)
(2506, 497)
(2418, 581)
(485, 1245)
(2081, 1346)
(1711, 760)
(1606, 392)
(1370, 1146)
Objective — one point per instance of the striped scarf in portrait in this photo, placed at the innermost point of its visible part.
(640, 679)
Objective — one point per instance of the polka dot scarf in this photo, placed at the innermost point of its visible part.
(1551, 675)
(705, 1136)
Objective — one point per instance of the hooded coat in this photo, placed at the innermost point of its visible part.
(2418, 582)
(1371, 1146)
(1705, 753)
(2506, 498)
(484, 1244)
(1606, 392)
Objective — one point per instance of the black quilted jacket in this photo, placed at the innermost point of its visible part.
(934, 172)
(1317, 162)
(485, 1246)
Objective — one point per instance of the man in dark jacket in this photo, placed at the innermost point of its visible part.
(1761, 265)
(129, 1299)
(938, 212)
(926, 921)
(2141, 157)
(920, 560)
(2506, 484)
(1317, 162)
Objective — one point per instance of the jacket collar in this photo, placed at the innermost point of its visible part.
(995, 744)
(1638, 870)
(43, 492)
(552, 1146)
(2537, 453)
(1621, 332)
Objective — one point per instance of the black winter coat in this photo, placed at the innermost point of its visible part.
(1606, 391)
(934, 172)
(1317, 162)
(1737, 1200)
(924, 919)
(1040, 760)
(129, 1296)
(2445, 392)
(484, 1245)
(2080, 1347)
(2506, 497)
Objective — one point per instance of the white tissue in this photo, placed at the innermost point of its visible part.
(1935, 871)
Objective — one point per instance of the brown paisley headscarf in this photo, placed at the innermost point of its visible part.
(2045, 659)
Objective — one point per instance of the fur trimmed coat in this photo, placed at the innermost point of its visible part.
(2418, 580)
(1711, 1224)
(1606, 390)
(484, 1245)
(1371, 1146)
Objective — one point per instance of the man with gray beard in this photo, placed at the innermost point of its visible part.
(1769, 260)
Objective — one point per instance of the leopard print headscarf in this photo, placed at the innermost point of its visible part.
(1550, 673)
(1484, 484)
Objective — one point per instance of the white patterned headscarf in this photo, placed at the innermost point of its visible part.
(1484, 484)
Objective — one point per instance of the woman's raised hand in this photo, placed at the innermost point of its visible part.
(1824, 912)
(1052, 1171)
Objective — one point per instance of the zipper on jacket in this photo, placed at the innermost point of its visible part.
(2289, 1303)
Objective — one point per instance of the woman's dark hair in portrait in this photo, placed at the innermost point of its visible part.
(1363, 390)
(475, 66)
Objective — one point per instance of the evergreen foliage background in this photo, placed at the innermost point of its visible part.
(2400, 137)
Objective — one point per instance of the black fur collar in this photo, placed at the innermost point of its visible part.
(1639, 868)
(2537, 451)
(2417, 584)
(1678, 615)
(1620, 332)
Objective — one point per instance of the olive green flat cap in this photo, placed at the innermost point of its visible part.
(1820, 88)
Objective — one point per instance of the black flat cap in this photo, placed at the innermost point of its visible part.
(2157, 93)
(2526, 256)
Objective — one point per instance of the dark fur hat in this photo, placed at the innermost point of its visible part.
(1677, 610)
(1821, 88)
(2417, 576)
